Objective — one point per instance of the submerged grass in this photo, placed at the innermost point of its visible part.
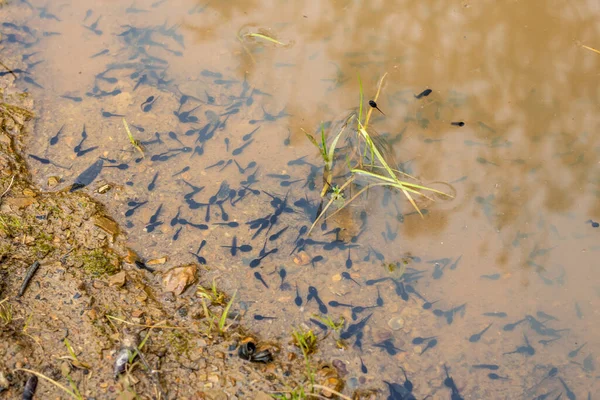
(263, 37)
(306, 341)
(370, 163)
(216, 322)
(134, 142)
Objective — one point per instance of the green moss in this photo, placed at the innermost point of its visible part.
(11, 225)
(179, 342)
(43, 245)
(100, 262)
(5, 250)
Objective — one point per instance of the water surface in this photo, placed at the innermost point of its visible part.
(519, 238)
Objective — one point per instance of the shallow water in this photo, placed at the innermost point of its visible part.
(518, 238)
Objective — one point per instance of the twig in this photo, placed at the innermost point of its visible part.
(590, 48)
(325, 388)
(9, 70)
(157, 325)
(34, 267)
(8, 188)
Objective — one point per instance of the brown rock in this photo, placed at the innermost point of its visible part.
(302, 258)
(107, 225)
(177, 279)
(118, 279)
(28, 192)
(329, 378)
(131, 257)
(104, 188)
(157, 261)
(92, 314)
(53, 181)
(19, 202)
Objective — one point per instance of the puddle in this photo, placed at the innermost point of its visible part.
(510, 124)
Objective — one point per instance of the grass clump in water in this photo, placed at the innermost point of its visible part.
(370, 162)
(217, 323)
(306, 341)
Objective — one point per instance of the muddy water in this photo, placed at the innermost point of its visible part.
(519, 239)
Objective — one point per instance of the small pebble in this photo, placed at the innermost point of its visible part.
(396, 323)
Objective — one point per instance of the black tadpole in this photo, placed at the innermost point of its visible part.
(374, 105)
(30, 272)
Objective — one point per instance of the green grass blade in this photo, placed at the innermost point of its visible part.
(207, 314)
(264, 37)
(323, 140)
(133, 141)
(322, 150)
(412, 186)
(331, 152)
(379, 85)
(360, 105)
(223, 318)
(312, 140)
(348, 182)
(70, 349)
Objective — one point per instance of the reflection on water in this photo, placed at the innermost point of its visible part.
(499, 284)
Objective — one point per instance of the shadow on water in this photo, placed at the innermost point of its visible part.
(498, 284)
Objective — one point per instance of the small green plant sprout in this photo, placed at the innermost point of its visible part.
(225, 315)
(215, 321)
(330, 323)
(212, 294)
(72, 357)
(298, 393)
(337, 195)
(370, 162)
(306, 341)
(136, 143)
